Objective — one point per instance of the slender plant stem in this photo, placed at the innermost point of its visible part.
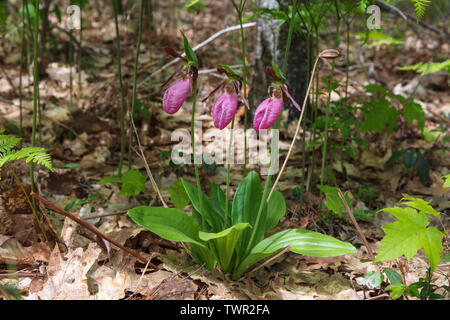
(35, 88)
(80, 53)
(289, 39)
(122, 94)
(22, 50)
(150, 28)
(327, 110)
(230, 148)
(133, 104)
(39, 118)
(297, 129)
(194, 103)
(240, 12)
(347, 63)
(71, 67)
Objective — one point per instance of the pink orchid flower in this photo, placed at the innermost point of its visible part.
(267, 113)
(224, 109)
(175, 95)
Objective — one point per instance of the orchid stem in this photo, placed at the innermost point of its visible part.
(297, 129)
(277, 126)
(122, 94)
(133, 104)
(230, 148)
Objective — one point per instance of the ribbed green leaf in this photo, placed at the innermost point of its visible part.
(275, 211)
(246, 201)
(225, 243)
(213, 215)
(302, 241)
(203, 255)
(168, 223)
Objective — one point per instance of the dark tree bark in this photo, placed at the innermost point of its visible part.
(270, 46)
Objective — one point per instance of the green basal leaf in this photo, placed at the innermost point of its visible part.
(302, 241)
(225, 243)
(203, 255)
(178, 195)
(275, 211)
(408, 235)
(212, 215)
(217, 198)
(419, 204)
(246, 201)
(168, 223)
(190, 54)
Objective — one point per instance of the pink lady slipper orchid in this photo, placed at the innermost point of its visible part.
(175, 95)
(267, 113)
(224, 109)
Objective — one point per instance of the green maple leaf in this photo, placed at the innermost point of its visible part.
(419, 204)
(413, 111)
(408, 235)
(381, 113)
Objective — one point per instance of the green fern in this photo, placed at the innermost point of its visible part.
(7, 142)
(420, 7)
(31, 154)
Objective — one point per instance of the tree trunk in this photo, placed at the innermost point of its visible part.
(270, 46)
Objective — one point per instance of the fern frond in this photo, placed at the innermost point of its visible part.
(7, 142)
(420, 7)
(31, 154)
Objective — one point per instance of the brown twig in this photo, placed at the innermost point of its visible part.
(90, 228)
(384, 295)
(358, 229)
(147, 168)
(106, 215)
(21, 274)
(268, 260)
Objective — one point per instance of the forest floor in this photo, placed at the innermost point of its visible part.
(84, 142)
